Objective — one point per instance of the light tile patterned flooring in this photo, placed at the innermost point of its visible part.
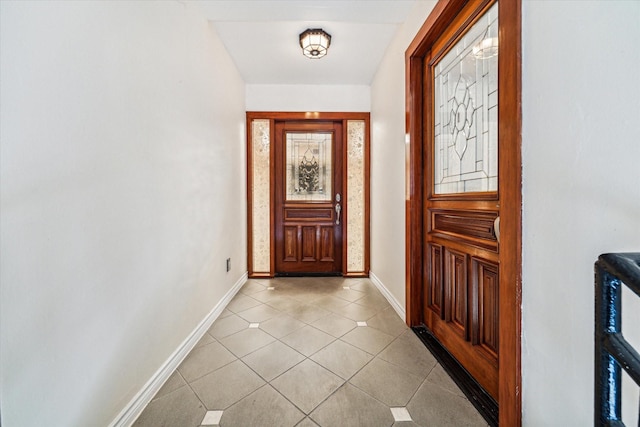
(309, 352)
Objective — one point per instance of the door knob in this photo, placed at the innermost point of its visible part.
(496, 228)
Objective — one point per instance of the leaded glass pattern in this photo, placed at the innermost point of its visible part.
(309, 166)
(355, 196)
(466, 111)
(260, 203)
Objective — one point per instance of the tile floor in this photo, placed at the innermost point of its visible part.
(309, 352)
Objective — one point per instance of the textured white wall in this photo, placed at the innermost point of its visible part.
(388, 158)
(581, 191)
(351, 98)
(122, 194)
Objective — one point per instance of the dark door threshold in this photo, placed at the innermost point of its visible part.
(304, 274)
(483, 402)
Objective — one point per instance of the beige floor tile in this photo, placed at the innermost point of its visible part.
(350, 295)
(307, 340)
(433, 405)
(280, 326)
(227, 326)
(357, 312)
(307, 384)
(242, 302)
(206, 339)
(373, 300)
(224, 387)
(350, 407)
(409, 353)
(246, 341)
(334, 324)
(389, 322)
(306, 423)
(203, 360)
(272, 360)
(259, 313)
(308, 313)
(388, 383)
(368, 339)
(263, 407)
(252, 287)
(342, 359)
(439, 377)
(174, 382)
(331, 303)
(178, 408)
(283, 303)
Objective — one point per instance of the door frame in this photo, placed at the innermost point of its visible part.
(509, 129)
(309, 116)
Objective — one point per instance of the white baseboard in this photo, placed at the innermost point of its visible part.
(135, 407)
(399, 308)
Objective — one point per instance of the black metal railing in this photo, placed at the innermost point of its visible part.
(612, 351)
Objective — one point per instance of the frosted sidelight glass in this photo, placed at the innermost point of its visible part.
(466, 111)
(309, 172)
(260, 206)
(355, 196)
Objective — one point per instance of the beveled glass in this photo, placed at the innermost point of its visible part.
(309, 166)
(466, 111)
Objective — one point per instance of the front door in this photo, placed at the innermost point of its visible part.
(308, 198)
(462, 198)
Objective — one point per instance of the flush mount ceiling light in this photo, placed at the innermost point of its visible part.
(314, 43)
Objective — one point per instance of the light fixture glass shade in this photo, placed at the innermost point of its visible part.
(314, 43)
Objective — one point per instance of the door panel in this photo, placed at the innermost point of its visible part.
(455, 274)
(462, 198)
(435, 283)
(308, 186)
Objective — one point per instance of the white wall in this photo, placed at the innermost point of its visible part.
(388, 158)
(332, 98)
(122, 191)
(581, 191)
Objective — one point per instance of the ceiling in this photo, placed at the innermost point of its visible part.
(262, 37)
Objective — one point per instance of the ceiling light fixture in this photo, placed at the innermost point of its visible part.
(315, 43)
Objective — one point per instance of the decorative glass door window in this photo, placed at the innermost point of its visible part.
(309, 166)
(466, 111)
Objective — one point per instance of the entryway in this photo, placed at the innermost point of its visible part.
(308, 194)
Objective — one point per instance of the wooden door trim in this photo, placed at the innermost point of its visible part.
(510, 270)
(274, 116)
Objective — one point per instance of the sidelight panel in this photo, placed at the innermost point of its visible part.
(356, 202)
(260, 146)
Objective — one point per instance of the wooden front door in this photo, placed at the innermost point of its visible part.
(464, 190)
(462, 198)
(308, 198)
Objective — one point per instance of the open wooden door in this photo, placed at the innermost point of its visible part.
(464, 199)
(309, 201)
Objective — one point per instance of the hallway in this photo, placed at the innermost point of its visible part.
(307, 352)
